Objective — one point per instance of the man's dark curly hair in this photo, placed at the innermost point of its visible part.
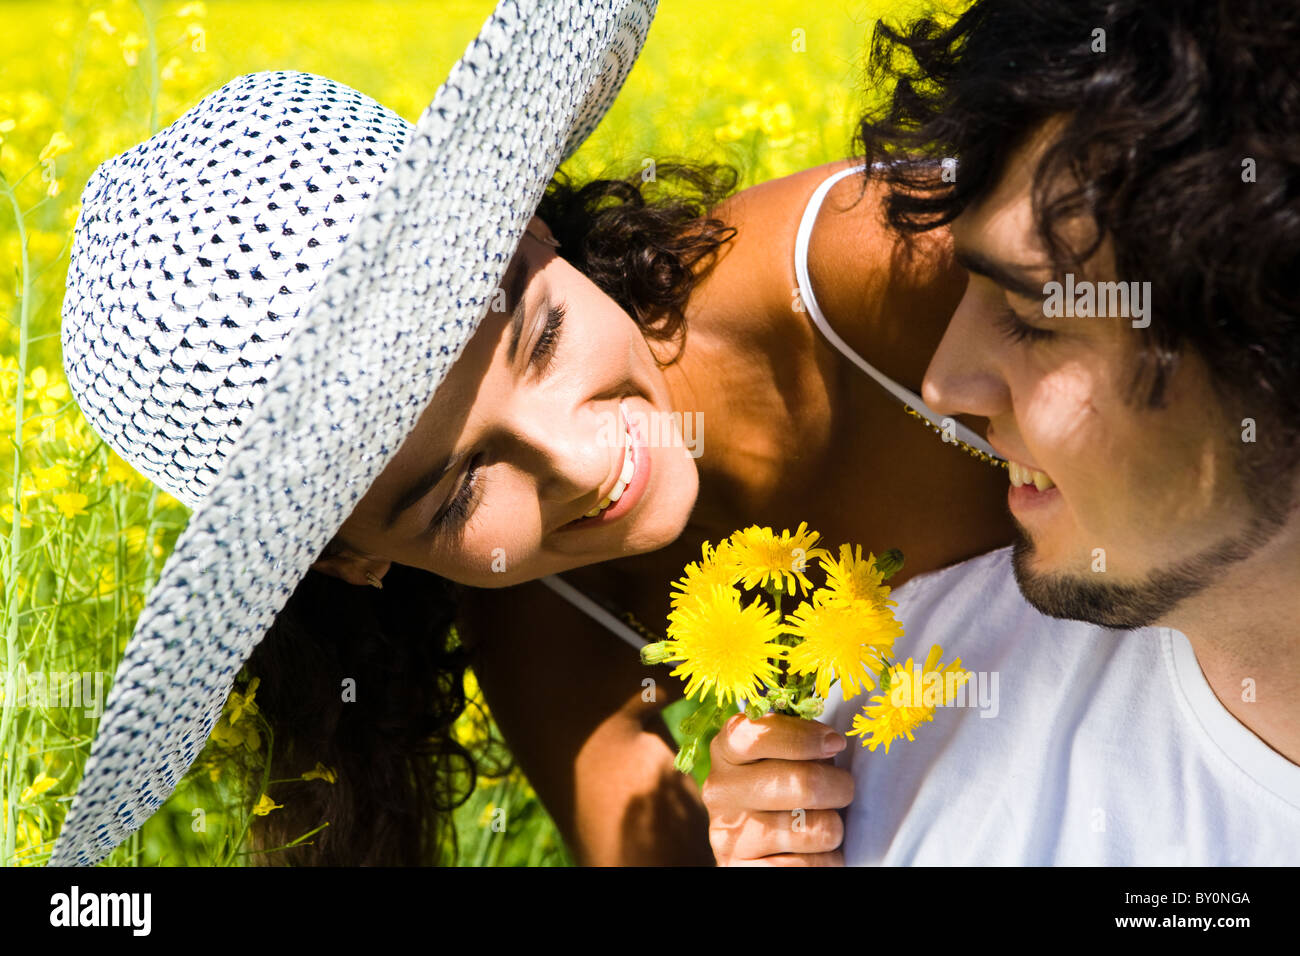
(1157, 135)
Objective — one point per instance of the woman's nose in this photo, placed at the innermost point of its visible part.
(963, 377)
(573, 451)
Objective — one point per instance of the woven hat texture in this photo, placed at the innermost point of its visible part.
(262, 299)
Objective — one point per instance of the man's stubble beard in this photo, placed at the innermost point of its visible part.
(1269, 477)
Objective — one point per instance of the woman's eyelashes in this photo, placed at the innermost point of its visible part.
(455, 515)
(546, 342)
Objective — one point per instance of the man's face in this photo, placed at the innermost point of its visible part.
(1135, 509)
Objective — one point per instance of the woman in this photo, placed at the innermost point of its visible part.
(791, 432)
(644, 309)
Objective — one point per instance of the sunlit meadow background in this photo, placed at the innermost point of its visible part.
(772, 87)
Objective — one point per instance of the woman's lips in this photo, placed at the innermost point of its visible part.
(631, 494)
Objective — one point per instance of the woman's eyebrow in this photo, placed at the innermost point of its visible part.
(515, 302)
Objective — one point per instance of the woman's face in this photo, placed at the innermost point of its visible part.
(527, 435)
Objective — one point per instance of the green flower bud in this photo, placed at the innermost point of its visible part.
(810, 708)
(757, 708)
(685, 760)
(655, 653)
(889, 563)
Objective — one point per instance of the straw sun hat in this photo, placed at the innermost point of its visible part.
(261, 301)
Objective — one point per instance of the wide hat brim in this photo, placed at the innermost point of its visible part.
(424, 260)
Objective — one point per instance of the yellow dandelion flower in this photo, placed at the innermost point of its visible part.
(57, 146)
(71, 503)
(716, 566)
(320, 772)
(265, 805)
(37, 787)
(850, 578)
(764, 557)
(844, 639)
(910, 702)
(723, 646)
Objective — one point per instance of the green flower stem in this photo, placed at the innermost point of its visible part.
(11, 770)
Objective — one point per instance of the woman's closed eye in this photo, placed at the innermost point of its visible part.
(453, 517)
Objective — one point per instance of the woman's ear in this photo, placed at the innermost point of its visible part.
(340, 561)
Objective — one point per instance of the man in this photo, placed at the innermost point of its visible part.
(1138, 649)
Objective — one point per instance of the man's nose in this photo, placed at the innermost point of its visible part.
(963, 377)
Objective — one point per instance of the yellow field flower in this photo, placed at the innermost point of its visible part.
(117, 471)
(49, 393)
(716, 566)
(132, 44)
(265, 805)
(47, 479)
(764, 557)
(71, 503)
(100, 19)
(239, 704)
(844, 639)
(320, 772)
(57, 146)
(851, 578)
(193, 10)
(7, 512)
(910, 702)
(723, 646)
(37, 787)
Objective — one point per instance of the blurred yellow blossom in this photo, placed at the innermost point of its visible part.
(47, 479)
(193, 10)
(132, 44)
(118, 471)
(49, 393)
(37, 787)
(100, 19)
(71, 503)
(57, 146)
(320, 772)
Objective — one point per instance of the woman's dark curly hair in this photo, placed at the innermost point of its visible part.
(399, 769)
(1155, 137)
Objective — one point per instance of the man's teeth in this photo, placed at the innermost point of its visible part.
(1020, 475)
(620, 486)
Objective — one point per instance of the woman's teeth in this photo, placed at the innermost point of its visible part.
(624, 479)
(1020, 475)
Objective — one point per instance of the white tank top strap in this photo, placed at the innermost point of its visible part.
(593, 610)
(909, 398)
(809, 299)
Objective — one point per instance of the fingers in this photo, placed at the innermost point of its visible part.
(777, 785)
(752, 836)
(834, 858)
(774, 736)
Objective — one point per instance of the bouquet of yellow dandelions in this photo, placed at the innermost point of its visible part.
(731, 650)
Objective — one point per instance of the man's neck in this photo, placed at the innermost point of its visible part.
(1245, 632)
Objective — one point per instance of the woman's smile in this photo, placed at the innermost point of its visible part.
(629, 486)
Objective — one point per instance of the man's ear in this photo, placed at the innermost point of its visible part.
(349, 566)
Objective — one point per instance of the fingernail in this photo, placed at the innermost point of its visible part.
(833, 743)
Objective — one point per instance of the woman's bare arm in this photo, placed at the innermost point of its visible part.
(568, 697)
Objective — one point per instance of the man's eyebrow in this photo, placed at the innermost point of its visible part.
(1010, 277)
